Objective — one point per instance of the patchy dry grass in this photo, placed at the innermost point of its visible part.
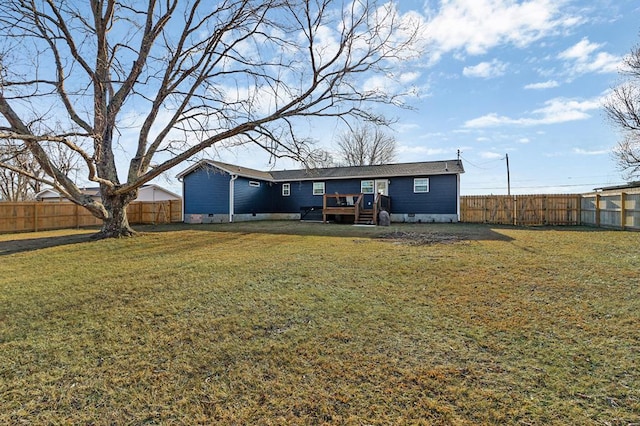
(285, 323)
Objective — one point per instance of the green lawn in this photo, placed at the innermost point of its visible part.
(277, 323)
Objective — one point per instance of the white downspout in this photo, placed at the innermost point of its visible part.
(458, 191)
(181, 180)
(231, 196)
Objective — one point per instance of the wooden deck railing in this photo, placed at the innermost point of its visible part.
(383, 202)
(340, 204)
(353, 205)
(359, 206)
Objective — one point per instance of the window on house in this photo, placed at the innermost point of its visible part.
(286, 189)
(318, 188)
(254, 183)
(421, 185)
(366, 186)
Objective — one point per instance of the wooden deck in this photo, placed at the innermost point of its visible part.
(353, 205)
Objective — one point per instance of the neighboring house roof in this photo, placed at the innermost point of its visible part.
(152, 187)
(353, 172)
(629, 185)
(50, 193)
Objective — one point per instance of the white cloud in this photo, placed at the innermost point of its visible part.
(475, 26)
(495, 68)
(404, 149)
(489, 120)
(584, 57)
(408, 77)
(557, 110)
(581, 151)
(380, 83)
(488, 155)
(580, 51)
(524, 140)
(542, 85)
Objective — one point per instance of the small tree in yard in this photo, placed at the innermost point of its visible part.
(186, 75)
(623, 111)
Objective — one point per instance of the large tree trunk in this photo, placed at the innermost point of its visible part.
(116, 224)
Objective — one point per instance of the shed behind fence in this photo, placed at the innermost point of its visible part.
(615, 210)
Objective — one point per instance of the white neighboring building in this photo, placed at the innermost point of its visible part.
(148, 193)
(156, 193)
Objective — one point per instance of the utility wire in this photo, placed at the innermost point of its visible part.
(544, 186)
(479, 167)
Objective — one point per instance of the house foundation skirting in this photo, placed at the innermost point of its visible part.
(395, 217)
(224, 218)
(265, 216)
(206, 218)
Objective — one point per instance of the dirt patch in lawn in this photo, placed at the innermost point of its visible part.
(422, 238)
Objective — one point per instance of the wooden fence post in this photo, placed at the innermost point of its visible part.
(35, 217)
(545, 210)
(598, 210)
(623, 213)
(485, 203)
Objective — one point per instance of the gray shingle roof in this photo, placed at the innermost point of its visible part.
(379, 171)
(241, 171)
(382, 171)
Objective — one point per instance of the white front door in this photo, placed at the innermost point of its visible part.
(382, 187)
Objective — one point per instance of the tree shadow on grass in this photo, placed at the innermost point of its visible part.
(416, 231)
(457, 231)
(30, 244)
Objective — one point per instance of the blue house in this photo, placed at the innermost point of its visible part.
(410, 192)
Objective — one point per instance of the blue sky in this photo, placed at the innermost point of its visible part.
(523, 78)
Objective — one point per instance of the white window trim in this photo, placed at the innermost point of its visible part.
(421, 191)
(286, 189)
(314, 188)
(372, 187)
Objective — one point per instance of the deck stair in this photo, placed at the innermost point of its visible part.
(365, 218)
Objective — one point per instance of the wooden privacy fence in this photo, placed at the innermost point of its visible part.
(521, 209)
(612, 210)
(38, 216)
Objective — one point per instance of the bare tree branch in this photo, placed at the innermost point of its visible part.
(622, 107)
(161, 81)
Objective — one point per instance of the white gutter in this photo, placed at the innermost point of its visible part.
(231, 196)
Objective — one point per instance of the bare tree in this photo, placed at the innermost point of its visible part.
(20, 177)
(15, 186)
(366, 145)
(622, 107)
(319, 159)
(150, 84)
